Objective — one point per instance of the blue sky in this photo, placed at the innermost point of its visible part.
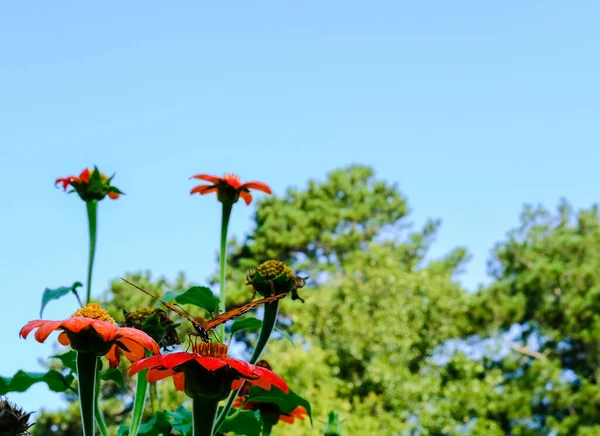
(472, 108)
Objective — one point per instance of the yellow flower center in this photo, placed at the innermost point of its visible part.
(210, 349)
(138, 316)
(94, 311)
(274, 268)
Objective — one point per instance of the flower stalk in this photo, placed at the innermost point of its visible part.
(92, 212)
(141, 392)
(97, 413)
(203, 415)
(227, 206)
(86, 373)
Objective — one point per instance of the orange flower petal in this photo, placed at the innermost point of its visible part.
(271, 378)
(259, 186)
(63, 339)
(211, 363)
(113, 356)
(107, 330)
(45, 329)
(149, 362)
(236, 385)
(246, 196)
(153, 375)
(85, 176)
(207, 177)
(203, 189)
(77, 323)
(286, 418)
(179, 381)
(27, 328)
(132, 350)
(66, 181)
(237, 403)
(113, 195)
(139, 337)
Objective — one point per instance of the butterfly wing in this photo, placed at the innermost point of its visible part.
(164, 303)
(234, 313)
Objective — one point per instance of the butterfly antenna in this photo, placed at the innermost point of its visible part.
(184, 311)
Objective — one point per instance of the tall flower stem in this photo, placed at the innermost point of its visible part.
(141, 392)
(92, 212)
(203, 416)
(269, 319)
(97, 413)
(227, 206)
(86, 373)
(267, 427)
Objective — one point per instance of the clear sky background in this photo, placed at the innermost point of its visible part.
(473, 108)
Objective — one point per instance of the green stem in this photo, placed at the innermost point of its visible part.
(203, 415)
(92, 212)
(223, 264)
(269, 319)
(97, 413)
(141, 392)
(267, 427)
(86, 373)
(154, 398)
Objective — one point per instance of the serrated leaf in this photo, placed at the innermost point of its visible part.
(68, 359)
(286, 402)
(55, 294)
(115, 375)
(249, 323)
(22, 381)
(247, 422)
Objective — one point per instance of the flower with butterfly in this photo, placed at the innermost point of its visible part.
(200, 365)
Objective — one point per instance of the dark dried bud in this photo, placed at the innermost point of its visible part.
(13, 421)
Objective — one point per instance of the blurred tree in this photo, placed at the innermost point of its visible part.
(547, 290)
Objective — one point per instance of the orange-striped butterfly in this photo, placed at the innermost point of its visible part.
(202, 328)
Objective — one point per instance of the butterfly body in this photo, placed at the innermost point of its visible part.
(202, 327)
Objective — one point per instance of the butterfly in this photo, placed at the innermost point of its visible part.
(201, 327)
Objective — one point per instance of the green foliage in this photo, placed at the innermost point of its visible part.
(246, 422)
(286, 402)
(22, 381)
(199, 296)
(55, 294)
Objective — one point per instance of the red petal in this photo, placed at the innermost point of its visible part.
(242, 367)
(77, 323)
(207, 177)
(44, 330)
(174, 359)
(286, 418)
(211, 363)
(246, 196)
(154, 374)
(236, 385)
(30, 326)
(203, 189)
(271, 378)
(85, 176)
(139, 337)
(149, 362)
(238, 401)
(259, 186)
(113, 356)
(106, 329)
(63, 339)
(179, 381)
(136, 351)
(113, 195)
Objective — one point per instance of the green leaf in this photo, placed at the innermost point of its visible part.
(285, 335)
(249, 323)
(286, 402)
(181, 420)
(199, 296)
(22, 380)
(246, 422)
(55, 294)
(68, 359)
(158, 425)
(115, 375)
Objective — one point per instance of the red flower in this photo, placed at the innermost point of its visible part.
(208, 372)
(270, 410)
(92, 330)
(95, 187)
(228, 188)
